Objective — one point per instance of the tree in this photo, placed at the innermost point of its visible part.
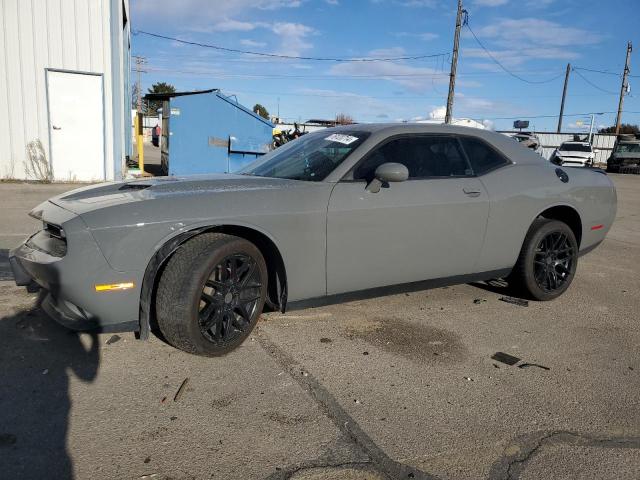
(160, 87)
(134, 96)
(260, 110)
(624, 128)
(344, 119)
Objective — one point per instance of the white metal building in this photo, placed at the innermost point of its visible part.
(64, 89)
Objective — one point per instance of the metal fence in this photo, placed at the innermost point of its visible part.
(603, 142)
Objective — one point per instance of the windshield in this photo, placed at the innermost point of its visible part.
(575, 147)
(628, 148)
(311, 157)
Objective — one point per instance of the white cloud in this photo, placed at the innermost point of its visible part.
(438, 113)
(252, 43)
(413, 78)
(490, 3)
(419, 3)
(199, 13)
(488, 124)
(230, 25)
(332, 2)
(292, 37)
(426, 36)
(536, 32)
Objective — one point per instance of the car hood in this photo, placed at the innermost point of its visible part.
(633, 155)
(87, 199)
(565, 153)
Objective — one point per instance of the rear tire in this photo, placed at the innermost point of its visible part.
(547, 262)
(211, 294)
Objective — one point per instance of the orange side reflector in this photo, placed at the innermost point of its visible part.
(114, 286)
(597, 227)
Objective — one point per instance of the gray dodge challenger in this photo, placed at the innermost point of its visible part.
(348, 212)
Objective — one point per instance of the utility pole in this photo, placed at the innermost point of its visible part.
(564, 96)
(624, 87)
(138, 123)
(140, 61)
(454, 64)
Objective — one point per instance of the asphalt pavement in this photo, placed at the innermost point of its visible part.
(402, 386)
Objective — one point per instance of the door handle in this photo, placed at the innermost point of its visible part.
(56, 127)
(471, 192)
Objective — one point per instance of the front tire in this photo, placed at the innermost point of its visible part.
(211, 294)
(547, 262)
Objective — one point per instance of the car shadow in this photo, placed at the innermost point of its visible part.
(39, 358)
(497, 286)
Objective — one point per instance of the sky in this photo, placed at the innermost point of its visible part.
(532, 40)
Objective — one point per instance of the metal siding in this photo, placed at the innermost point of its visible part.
(57, 34)
(14, 87)
(6, 167)
(549, 141)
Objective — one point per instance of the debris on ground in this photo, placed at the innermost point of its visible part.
(325, 340)
(468, 379)
(365, 353)
(515, 301)
(181, 390)
(113, 339)
(525, 365)
(511, 360)
(505, 358)
(147, 460)
(479, 300)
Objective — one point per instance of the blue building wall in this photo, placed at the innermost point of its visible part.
(210, 133)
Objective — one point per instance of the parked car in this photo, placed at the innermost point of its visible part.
(625, 156)
(370, 209)
(574, 154)
(528, 140)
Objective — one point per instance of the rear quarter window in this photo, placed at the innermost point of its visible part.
(482, 156)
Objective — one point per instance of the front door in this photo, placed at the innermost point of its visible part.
(430, 226)
(76, 126)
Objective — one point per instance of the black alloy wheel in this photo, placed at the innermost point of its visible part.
(547, 262)
(553, 261)
(229, 299)
(211, 294)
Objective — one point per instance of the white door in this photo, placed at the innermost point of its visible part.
(76, 126)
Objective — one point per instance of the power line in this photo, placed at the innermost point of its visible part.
(604, 72)
(593, 84)
(596, 71)
(553, 116)
(289, 57)
(522, 79)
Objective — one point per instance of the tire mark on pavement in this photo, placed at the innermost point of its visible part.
(523, 448)
(345, 423)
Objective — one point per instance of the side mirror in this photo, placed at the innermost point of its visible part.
(595, 150)
(386, 173)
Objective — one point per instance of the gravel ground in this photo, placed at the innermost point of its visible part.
(402, 386)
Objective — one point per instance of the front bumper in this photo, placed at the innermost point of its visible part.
(69, 281)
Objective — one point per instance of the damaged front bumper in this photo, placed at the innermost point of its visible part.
(67, 268)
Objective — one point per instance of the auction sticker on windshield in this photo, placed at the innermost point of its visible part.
(344, 139)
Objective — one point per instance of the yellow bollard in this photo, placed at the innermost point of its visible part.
(140, 142)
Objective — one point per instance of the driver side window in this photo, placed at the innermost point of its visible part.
(424, 157)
